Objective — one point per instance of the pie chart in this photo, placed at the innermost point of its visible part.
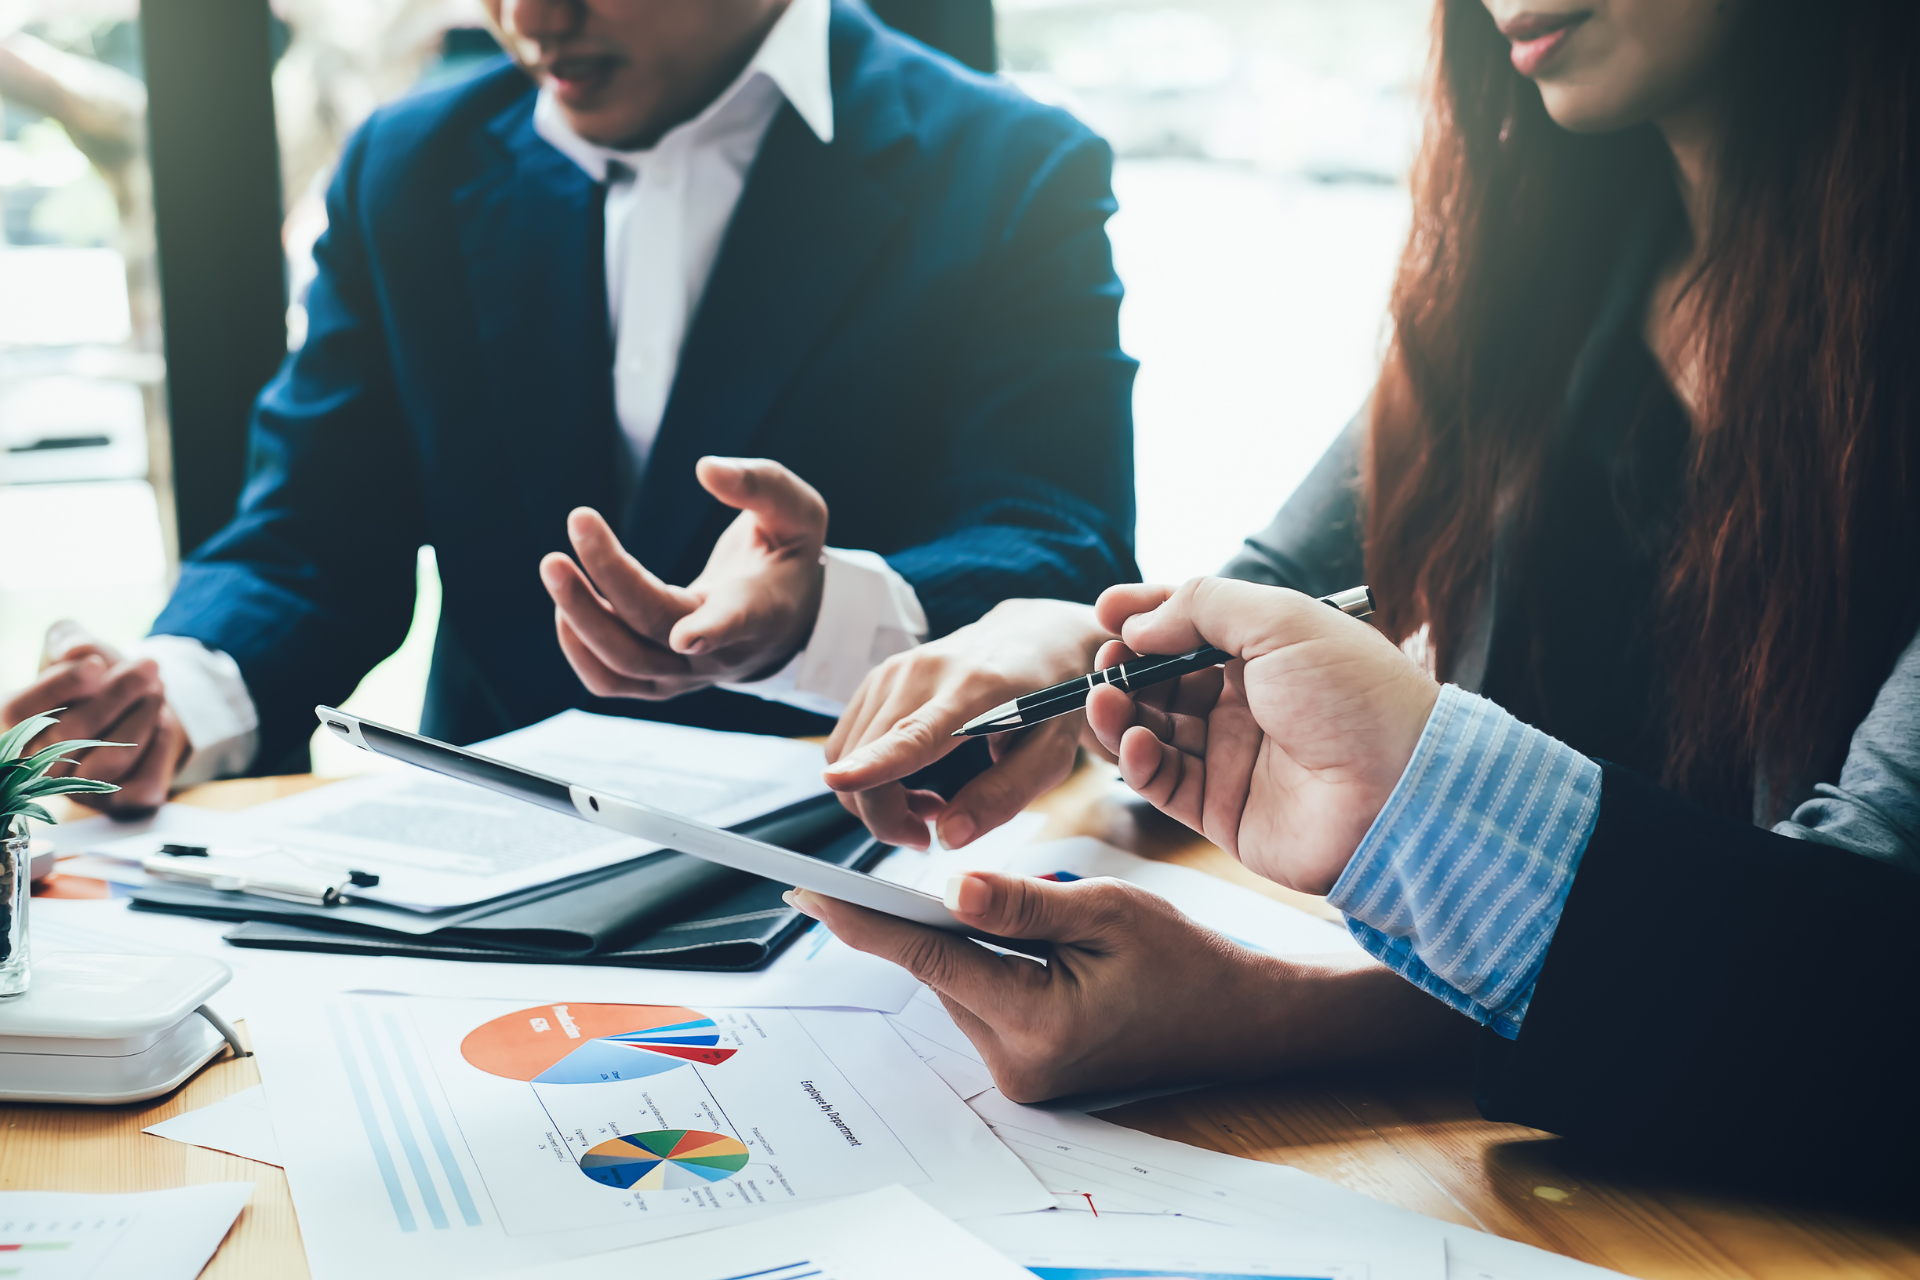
(594, 1043)
(664, 1160)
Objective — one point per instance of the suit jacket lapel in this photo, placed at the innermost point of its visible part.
(812, 217)
(530, 227)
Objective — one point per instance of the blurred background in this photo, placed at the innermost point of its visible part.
(1262, 153)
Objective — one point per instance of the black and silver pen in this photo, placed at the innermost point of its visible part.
(1070, 696)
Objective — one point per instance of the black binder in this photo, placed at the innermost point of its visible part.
(664, 910)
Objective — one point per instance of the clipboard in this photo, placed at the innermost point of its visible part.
(649, 822)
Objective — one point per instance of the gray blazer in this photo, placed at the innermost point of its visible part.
(1316, 545)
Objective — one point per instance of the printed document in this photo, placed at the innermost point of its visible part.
(1091, 1165)
(156, 1235)
(1066, 1245)
(239, 1124)
(458, 1137)
(880, 1235)
(437, 843)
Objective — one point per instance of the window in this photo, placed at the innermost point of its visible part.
(82, 381)
(343, 60)
(1262, 152)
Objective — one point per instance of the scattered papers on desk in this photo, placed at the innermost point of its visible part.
(406, 1158)
(881, 1235)
(442, 1137)
(1064, 1245)
(238, 1124)
(1089, 1164)
(437, 842)
(156, 1235)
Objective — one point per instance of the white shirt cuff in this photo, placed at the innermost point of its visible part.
(207, 693)
(868, 613)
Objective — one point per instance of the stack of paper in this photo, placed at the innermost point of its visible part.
(436, 843)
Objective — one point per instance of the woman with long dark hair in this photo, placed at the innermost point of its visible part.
(1637, 482)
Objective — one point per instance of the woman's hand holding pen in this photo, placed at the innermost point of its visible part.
(1282, 757)
(903, 716)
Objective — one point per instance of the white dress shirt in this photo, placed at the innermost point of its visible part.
(667, 209)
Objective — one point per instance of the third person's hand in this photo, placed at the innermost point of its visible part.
(904, 713)
(1284, 756)
(113, 699)
(629, 634)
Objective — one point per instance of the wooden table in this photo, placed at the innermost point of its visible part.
(1415, 1143)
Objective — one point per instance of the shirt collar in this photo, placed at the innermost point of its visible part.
(793, 58)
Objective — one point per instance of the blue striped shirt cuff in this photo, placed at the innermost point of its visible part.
(1460, 882)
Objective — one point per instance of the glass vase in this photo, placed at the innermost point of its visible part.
(16, 875)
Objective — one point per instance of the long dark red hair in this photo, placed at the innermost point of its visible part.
(1798, 494)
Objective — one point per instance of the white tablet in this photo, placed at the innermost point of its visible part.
(634, 818)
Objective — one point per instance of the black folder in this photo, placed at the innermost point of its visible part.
(664, 910)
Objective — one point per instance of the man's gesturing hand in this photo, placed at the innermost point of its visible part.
(628, 634)
(111, 699)
(1284, 757)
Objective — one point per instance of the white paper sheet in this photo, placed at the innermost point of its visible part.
(1077, 1156)
(156, 1235)
(444, 1137)
(880, 1235)
(938, 1041)
(238, 1124)
(816, 970)
(1066, 1245)
(181, 822)
(436, 842)
(260, 978)
(1249, 918)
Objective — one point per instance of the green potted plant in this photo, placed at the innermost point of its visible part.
(23, 784)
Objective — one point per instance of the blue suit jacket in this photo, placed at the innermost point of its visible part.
(919, 318)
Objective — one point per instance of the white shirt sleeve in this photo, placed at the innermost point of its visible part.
(206, 691)
(868, 613)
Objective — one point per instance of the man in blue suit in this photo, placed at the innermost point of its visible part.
(554, 310)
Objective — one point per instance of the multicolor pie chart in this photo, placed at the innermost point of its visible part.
(664, 1160)
(593, 1043)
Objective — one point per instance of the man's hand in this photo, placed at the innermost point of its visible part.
(903, 716)
(1285, 756)
(630, 635)
(109, 698)
(1125, 969)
